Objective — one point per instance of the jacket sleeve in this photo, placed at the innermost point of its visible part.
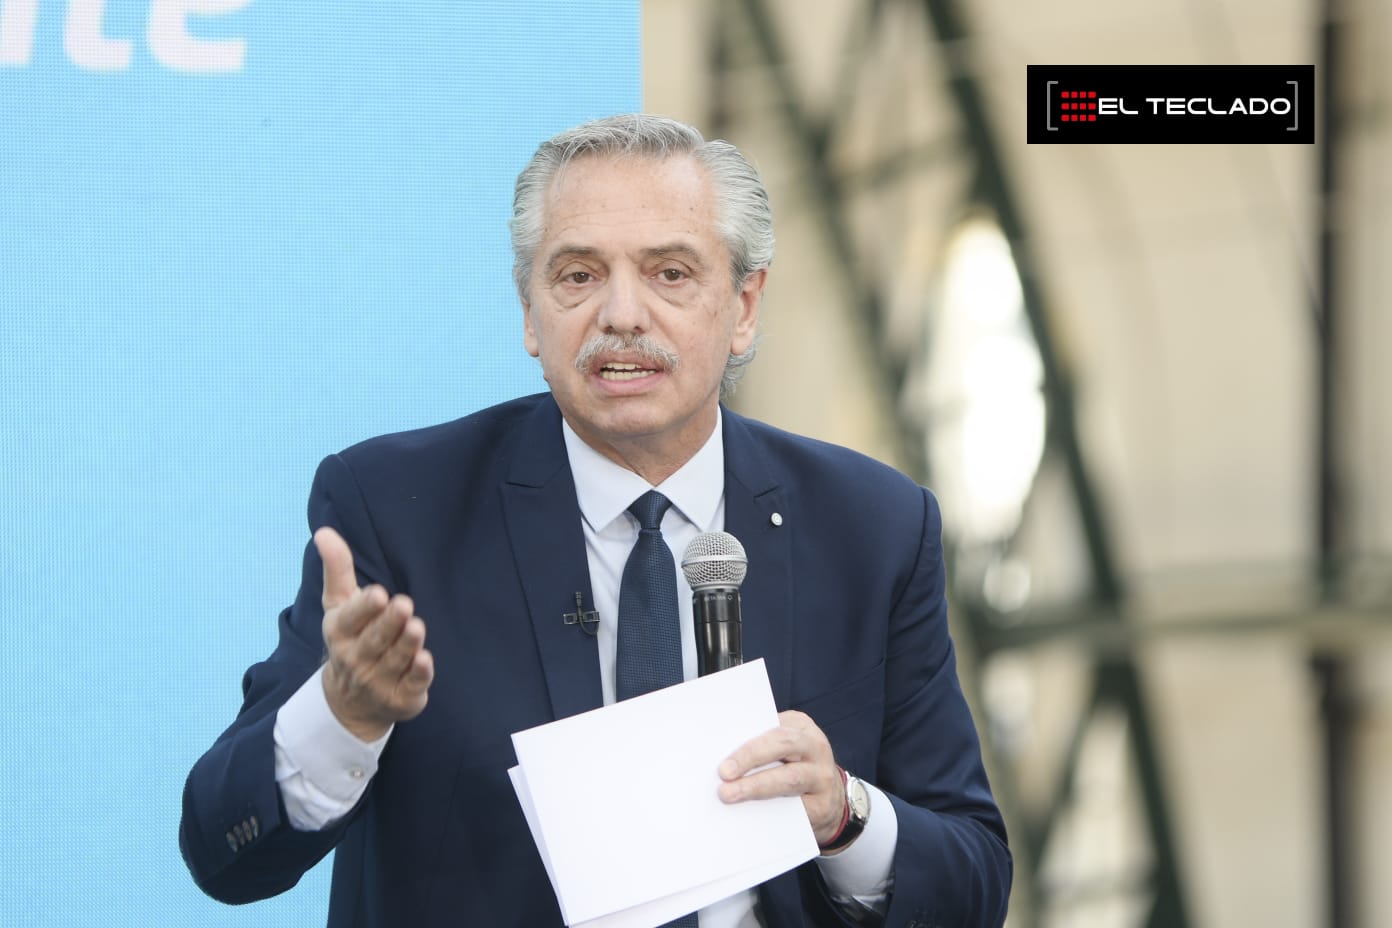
(952, 866)
(234, 835)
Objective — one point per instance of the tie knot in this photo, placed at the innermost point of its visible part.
(649, 509)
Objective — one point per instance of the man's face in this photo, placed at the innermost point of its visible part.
(630, 249)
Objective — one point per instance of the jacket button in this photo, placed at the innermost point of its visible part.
(232, 842)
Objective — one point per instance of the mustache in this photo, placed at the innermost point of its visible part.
(641, 345)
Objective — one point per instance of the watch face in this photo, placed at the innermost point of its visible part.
(859, 799)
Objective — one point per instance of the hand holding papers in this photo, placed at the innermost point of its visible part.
(623, 804)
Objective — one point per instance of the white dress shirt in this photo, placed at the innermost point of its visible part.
(322, 768)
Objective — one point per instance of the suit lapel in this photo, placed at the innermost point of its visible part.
(548, 546)
(757, 513)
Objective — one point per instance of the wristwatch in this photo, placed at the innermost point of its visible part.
(857, 814)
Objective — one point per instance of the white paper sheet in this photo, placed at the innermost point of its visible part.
(623, 807)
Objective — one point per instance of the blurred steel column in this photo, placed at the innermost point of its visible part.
(1332, 671)
(1337, 715)
(1327, 316)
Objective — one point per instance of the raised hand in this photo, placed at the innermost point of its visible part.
(378, 672)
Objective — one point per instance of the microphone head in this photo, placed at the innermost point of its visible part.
(714, 559)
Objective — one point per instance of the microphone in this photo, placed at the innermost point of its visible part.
(715, 564)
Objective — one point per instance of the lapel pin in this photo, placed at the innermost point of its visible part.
(776, 518)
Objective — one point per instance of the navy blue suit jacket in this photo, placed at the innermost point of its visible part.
(477, 520)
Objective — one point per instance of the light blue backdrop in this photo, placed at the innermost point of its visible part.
(230, 243)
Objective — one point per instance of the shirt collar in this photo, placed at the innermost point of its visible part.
(605, 489)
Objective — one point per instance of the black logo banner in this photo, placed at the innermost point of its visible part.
(1149, 104)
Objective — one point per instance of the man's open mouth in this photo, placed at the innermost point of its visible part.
(616, 370)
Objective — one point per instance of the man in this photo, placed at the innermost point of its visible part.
(641, 255)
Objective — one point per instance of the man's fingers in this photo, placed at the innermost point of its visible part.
(382, 655)
(396, 660)
(798, 757)
(382, 629)
(744, 771)
(793, 779)
(422, 671)
(340, 582)
(347, 621)
(778, 744)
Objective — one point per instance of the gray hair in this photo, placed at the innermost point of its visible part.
(744, 220)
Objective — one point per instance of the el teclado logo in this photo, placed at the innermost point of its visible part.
(1148, 104)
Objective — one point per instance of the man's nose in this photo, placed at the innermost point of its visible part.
(625, 305)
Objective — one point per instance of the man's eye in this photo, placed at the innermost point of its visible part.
(672, 275)
(578, 277)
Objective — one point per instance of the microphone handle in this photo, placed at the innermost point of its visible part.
(716, 617)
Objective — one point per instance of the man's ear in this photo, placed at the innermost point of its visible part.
(529, 335)
(750, 295)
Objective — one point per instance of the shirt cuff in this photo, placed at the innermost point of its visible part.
(864, 871)
(321, 767)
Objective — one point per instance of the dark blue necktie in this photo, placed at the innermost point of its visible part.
(649, 647)
(649, 650)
